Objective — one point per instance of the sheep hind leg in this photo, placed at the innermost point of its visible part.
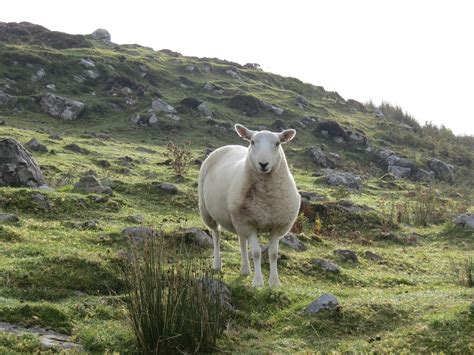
(257, 257)
(274, 280)
(244, 268)
(216, 239)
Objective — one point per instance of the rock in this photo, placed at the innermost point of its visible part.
(332, 129)
(36, 146)
(40, 74)
(73, 147)
(301, 102)
(2, 122)
(372, 256)
(424, 175)
(87, 63)
(356, 138)
(443, 171)
(326, 266)
(79, 79)
(342, 178)
(248, 105)
(204, 109)
(91, 74)
(233, 73)
(379, 114)
(384, 153)
(145, 120)
(197, 236)
(17, 166)
(319, 158)
(325, 302)
(347, 255)
(394, 160)
(292, 241)
(311, 196)
(168, 188)
(41, 201)
(138, 218)
(465, 220)
(399, 171)
(357, 105)
(6, 99)
(51, 87)
(90, 184)
(161, 106)
(101, 35)
(59, 106)
(103, 163)
(8, 218)
(139, 234)
(219, 288)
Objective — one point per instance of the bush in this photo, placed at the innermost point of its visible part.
(180, 157)
(173, 306)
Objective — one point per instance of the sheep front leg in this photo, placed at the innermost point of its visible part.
(257, 257)
(245, 268)
(273, 281)
(216, 239)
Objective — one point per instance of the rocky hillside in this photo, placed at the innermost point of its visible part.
(85, 164)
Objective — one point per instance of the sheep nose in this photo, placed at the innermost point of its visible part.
(263, 166)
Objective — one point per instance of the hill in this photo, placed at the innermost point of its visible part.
(373, 179)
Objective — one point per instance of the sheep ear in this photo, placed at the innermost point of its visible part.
(244, 132)
(287, 135)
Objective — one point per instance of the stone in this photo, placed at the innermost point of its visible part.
(332, 128)
(2, 122)
(204, 109)
(91, 74)
(36, 146)
(139, 234)
(6, 99)
(8, 218)
(197, 236)
(311, 196)
(51, 87)
(342, 178)
(17, 166)
(219, 289)
(357, 105)
(103, 163)
(168, 188)
(425, 175)
(347, 255)
(319, 158)
(443, 171)
(90, 184)
(326, 302)
(161, 106)
(138, 219)
(465, 220)
(41, 201)
(79, 79)
(101, 35)
(59, 106)
(247, 104)
(87, 63)
(292, 241)
(399, 171)
(73, 147)
(326, 266)
(372, 256)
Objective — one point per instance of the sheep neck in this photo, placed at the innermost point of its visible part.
(263, 181)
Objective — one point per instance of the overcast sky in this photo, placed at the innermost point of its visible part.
(416, 54)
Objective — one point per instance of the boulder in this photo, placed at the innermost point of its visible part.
(204, 109)
(197, 236)
(325, 302)
(138, 218)
(332, 129)
(168, 188)
(6, 99)
(310, 196)
(465, 220)
(87, 63)
(443, 171)
(161, 106)
(372, 256)
(219, 289)
(341, 178)
(247, 104)
(139, 234)
(292, 241)
(326, 266)
(73, 147)
(59, 106)
(8, 218)
(91, 74)
(399, 171)
(357, 105)
(89, 184)
(101, 35)
(347, 255)
(36, 146)
(319, 158)
(17, 166)
(424, 175)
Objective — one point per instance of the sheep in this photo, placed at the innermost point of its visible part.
(250, 190)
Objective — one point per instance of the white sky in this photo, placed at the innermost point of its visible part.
(416, 54)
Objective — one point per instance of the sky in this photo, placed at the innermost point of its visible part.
(415, 54)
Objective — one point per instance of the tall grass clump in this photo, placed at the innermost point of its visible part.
(174, 306)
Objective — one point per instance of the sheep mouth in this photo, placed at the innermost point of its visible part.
(265, 170)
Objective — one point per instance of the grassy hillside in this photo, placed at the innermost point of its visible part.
(60, 272)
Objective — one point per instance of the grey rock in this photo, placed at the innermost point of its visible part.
(138, 219)
(379, 114)
(79, 79)
(90, 184)
(425, 175)
(73, 147)
(394, 160)
(326, 266)
(87, 63)
(399, 171)
(8, 218)
(2, 122)
(59, 106)
(17, 166)
(219, 289)
(443, 171)
(41, 201)
(341, 178)
(292, 241)
(204, 109)
(161, 106)
(91, 74)
(372, 256)
(168, 187)
(465, 220)
(101, 35)
(325, 302)
(319, 158)
(51, 87)
(347, 255)
(36, 146)
(103, 163)
(197, 236)
(311, 196)
(6, 99)
(139, 234)
(384, 153)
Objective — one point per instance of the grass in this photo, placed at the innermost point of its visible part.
(57, 275)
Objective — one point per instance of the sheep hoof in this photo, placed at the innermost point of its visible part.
(274, 282)
(257, 282)
(217, 266)
(244, 271)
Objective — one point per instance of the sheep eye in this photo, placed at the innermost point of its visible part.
(252, 142)
(277, 144)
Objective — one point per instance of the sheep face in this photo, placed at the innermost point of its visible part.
(265, 152)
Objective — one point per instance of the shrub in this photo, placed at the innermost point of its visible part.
(173, 306)
(180, 157)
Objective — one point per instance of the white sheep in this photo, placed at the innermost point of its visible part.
(249, 191)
